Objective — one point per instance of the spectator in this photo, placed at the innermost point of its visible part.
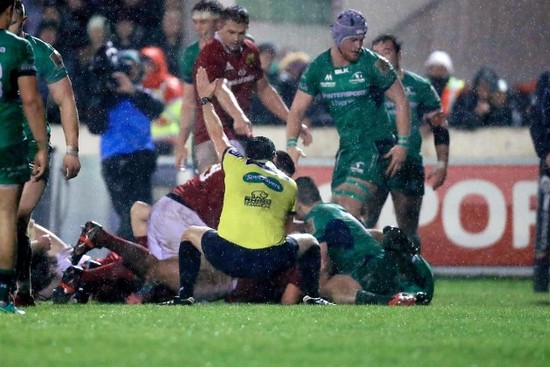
(128, 34)
(258, 112)
(476, 107)
(167, 88)
(439, 67)
(122, 114)
(171, 39)
(291, 68)
(540, 132)
(99, 33)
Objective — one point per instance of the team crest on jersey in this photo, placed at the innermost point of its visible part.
(270, 182)
(357, 77)
(2, 50)
(258, 198)
(250, 58)
(358, 167)
(241, 72)
(57, 60)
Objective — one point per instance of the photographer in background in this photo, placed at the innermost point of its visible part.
(122, 111)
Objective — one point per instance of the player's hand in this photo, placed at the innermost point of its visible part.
(43, 243)
(204, 87)
(124, 84)
(243, 126)
(295, 153)
(71, 166)
(41, 164)
(181, 156)
(305, 134)
(397, 156)
(437, 175)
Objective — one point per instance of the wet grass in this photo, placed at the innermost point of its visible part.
(481, 322)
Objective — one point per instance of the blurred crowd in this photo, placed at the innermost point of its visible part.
(78, 28)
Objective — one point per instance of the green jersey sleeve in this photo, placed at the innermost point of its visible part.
(187, 62)
(49, 63)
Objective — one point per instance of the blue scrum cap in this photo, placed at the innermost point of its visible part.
(349, 23)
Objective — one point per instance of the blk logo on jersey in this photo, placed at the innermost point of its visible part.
(258, 198)
(270, 182)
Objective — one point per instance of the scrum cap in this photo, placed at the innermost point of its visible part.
(349, 23)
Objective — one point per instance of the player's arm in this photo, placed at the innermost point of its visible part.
(187, 116)
(34, 111)
(229, 103)
(213, 123)
(63, 95)
(438, 123)
(398, 153)
(296, 114)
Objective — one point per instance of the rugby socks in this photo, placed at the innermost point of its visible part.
(23, 267)
(6, 281)
(190, 262)
(308, 266)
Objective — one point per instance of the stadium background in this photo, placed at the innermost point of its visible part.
(482, 220)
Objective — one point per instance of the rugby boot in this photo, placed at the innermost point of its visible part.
(178, 301)
(316, 301)
(69, 285)
(403, 299)
(85, 241)
(10, 308)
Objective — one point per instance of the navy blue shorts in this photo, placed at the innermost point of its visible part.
(240, 262)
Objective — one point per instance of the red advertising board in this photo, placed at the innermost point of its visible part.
(484, 215)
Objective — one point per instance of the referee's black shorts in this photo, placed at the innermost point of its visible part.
(241, 262)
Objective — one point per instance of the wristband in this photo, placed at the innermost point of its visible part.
(291, 142)
(71, 150)
(204, 100)
(403, 141)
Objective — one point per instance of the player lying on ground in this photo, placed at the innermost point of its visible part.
(362, 266)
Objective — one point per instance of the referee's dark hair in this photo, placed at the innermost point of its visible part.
(4, 4)
(260, 148)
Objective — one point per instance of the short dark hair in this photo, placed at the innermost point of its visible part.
(260, 148)
(284, 162)
(19, 7)
(308, 192)
(4, 4)
(211, 6)
(388, 37)
(267, 47)
(237, 14)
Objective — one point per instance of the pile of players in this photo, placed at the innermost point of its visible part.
(230, 232)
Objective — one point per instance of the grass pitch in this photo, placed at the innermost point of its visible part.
(481, 322)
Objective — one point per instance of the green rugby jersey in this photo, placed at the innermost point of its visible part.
(16, 59)
(349, 242)
(355, 96)
(422, 99)
(187, 62)
(49, 67)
